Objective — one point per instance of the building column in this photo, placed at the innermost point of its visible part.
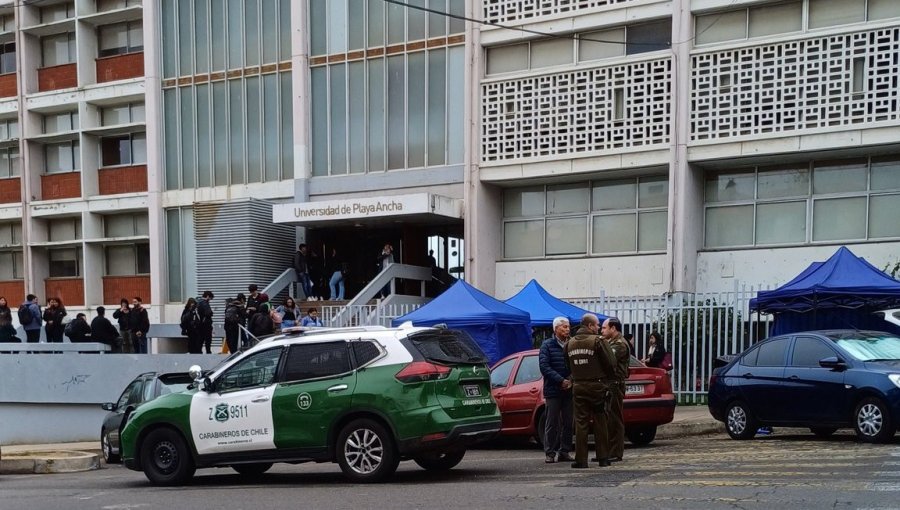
(301, 107)
(156, 219)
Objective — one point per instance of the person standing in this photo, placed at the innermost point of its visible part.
(234, 319)
(336, 282)
(190, 322)
(5, 312)
(301, 267)
(33, 326)
(612, 332)
(385, 259)
(140, 325)
(123, 317)
(557, 394)
(261, 324)
(205, 316)
(591, 362)
(53, 317)
(104, 332)
(656, 352)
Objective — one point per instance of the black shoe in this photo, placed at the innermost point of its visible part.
(604, 463)
(564, 457)
(616, 459)
(593, 459)
(551, 458)
(576, 465)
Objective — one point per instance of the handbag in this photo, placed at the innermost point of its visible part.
(275, 316)
(666, 363)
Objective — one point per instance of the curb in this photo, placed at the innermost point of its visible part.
(48, 462)
(676, 430)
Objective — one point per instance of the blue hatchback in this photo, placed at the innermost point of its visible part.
(824, 380)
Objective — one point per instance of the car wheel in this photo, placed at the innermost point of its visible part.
(255, 469)
(541, 430)
(165, 458)
(106, 446)
(823, 431)
(440, 461)
(739, 423)
(641, 436)
(366, 452)
(873, 421)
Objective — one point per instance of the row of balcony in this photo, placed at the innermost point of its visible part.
(110, 181)
(118, 67)
(71, 290)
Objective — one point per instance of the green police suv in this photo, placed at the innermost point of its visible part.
(365, 398)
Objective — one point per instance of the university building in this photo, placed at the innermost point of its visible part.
(634, 147)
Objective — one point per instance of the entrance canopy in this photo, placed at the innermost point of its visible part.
(418, 208)
(544, 307)
(842, 281)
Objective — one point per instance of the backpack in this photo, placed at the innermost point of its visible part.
(190, 320)
(25, 316)
(232, 314)
(69, 329)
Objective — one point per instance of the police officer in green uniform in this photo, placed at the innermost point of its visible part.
(612, 332)
(591, 362)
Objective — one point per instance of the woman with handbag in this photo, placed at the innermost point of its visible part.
(656, 352)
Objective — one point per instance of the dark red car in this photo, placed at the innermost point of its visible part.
(517, 386)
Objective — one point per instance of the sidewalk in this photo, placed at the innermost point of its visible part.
(688, 421)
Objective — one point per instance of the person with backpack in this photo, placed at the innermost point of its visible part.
(261, 324)
(139, 325)
(204, 320)
(78, 330)
(189, 326)
(234, 319)
(30, 318)
(53, 319)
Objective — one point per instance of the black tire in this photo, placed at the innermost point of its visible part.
(872, 420)
(823, 431)
(739, 423)
(251, 470)
(165, 458)
(366, 452)
(641, 436)
(106, 447)
(440, 461)
(540, 430)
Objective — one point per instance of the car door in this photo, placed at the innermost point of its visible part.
(316, 387)
(128, 400)
(760, 378)
(813, 394)
(524, 393)
(501, 375)
(235, 415)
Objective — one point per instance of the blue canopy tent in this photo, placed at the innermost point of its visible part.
(841, 292)
(544, 307)
(498, 328)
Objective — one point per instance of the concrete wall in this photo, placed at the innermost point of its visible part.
(56, 397)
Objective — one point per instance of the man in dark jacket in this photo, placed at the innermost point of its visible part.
(140, 325)
(78, 330)
(104, 332)
(557, 394)
(204, 310)
(301, 267)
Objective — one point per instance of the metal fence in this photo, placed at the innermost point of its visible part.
(697, 328)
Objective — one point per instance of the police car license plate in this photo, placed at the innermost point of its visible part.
(634, 389)
(472, 390)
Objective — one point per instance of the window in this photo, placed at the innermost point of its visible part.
(749, 359)
(808, 351)
(111, 5)
(60, 122)
(127, 260)
(646, 37)
(65, 229)
(12, 265)
(9, 129)
(65, 262)
(61, 157)
(57, 12)
(130, 113)
(500, 373)
(771, 353)
(253, 371)
(58, 49)
(123, 150)
(529, 370)
(125, 225)
(364, 352)
(10, 234)
(7, 58)
(602, 217)
(131, 395)
(820, 201)
(121, 38)
(313, 361)
(7, 23)
(10, 164)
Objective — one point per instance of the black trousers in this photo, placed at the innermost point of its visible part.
(231, 337)
(32, 335)
(558, 431)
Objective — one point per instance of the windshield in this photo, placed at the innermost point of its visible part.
(870, 347)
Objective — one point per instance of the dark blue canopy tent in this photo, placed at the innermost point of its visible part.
(544, 307)
(842, 292)
(498, 328)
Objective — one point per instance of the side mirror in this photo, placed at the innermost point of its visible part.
(832, 362)
(109, 406)
(204, 384)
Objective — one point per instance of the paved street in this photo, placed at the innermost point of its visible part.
(790, 469)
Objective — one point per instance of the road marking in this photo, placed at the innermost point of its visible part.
(884, 486)
(887, 473)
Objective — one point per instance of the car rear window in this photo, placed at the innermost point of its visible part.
(173, 383)
(448, 346)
